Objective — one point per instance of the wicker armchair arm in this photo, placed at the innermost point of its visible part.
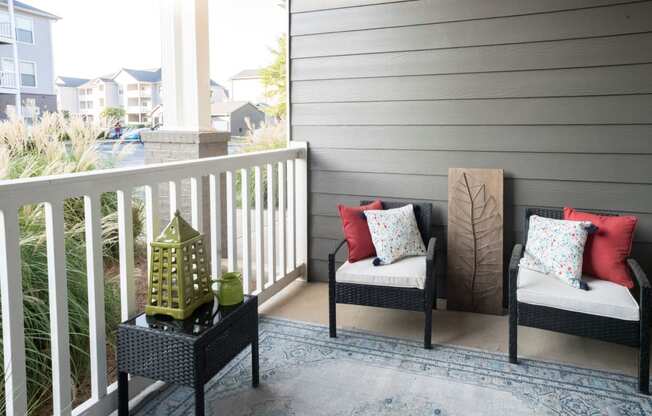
(639, 274)
(641, 281)
(339, 246)
(517, 253)
(331, 261)
(431, 280)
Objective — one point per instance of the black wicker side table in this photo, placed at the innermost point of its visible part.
(188, 352)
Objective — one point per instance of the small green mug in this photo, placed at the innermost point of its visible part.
(229, 290)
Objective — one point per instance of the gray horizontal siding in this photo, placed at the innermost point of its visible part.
(299, 6)
(598, 139)
(569, 53)
(604, 196)
(393, 14)
(565, 167)
(585, 23)
(390, 94)
(611, 80)
(623, 109)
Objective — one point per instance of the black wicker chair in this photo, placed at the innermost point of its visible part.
(412, 299)
(634, 333)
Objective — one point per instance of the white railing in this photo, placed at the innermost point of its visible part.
(284, 260)
(7, 79)
(5, 30)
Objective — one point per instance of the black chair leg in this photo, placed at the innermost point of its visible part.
(332, 318)
(427, 334)
(513, 335)
(644, 362)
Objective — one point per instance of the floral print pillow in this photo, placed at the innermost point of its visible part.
(395, 234)
(556, 247)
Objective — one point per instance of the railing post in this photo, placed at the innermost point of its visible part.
(301, 208)
(260, 233)
(282, 257)
(231, 221)
(96, 316)
(126, 254)
(215, 219)
(246, 230)
(58, 299)
(13, 329)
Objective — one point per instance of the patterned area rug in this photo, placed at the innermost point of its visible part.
(304, 372)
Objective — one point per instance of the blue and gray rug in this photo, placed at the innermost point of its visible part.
(304, 372)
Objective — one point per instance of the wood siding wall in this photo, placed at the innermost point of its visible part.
(390, 94)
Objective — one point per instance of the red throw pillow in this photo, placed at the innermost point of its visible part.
(356, 230)
(606, 250)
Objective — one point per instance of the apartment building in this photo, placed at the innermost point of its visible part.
(137, 91)
(26, 62)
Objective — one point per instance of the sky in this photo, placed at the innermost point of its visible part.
(97, 37)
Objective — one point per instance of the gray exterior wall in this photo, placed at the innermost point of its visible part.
(390, 95)
(238, 123)
(40, 53)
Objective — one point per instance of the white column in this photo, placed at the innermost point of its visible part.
(12, 19)
(185, 65)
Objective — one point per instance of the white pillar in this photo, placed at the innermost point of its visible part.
(12, 20)
(185, 65)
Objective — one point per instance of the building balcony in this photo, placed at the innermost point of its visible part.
(6, 36)
(8, 80)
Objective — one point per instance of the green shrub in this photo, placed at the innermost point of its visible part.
(38, 151)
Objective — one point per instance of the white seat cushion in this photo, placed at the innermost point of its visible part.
(407, 272)
(603, 298)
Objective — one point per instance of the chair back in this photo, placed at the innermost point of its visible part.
(422, 212)
(554, 213)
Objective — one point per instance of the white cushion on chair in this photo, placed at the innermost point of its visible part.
(603, 298)
(407, 272)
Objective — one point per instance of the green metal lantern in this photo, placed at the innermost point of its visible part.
(179, 278)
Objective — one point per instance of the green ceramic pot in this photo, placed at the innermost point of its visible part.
(229, 290)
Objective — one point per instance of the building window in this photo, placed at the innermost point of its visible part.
(132, 102)
(133, 118)
(28, 74)
(101, 87)
(132, 87)
(24, 30)
(101, 102)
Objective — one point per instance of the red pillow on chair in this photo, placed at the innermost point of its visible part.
(356, 230)
(606, 250)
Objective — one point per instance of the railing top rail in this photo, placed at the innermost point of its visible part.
(19, 192)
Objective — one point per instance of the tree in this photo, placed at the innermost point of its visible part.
(274, 79)
(113, 113)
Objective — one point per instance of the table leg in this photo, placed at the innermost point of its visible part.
(123, 394)
(255, 377)
(199, 383)
(199, 400)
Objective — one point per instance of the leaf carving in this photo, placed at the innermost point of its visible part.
(477, 220)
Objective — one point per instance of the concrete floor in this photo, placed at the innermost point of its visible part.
(308, 302)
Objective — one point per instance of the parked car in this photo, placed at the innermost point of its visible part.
(134, 135)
